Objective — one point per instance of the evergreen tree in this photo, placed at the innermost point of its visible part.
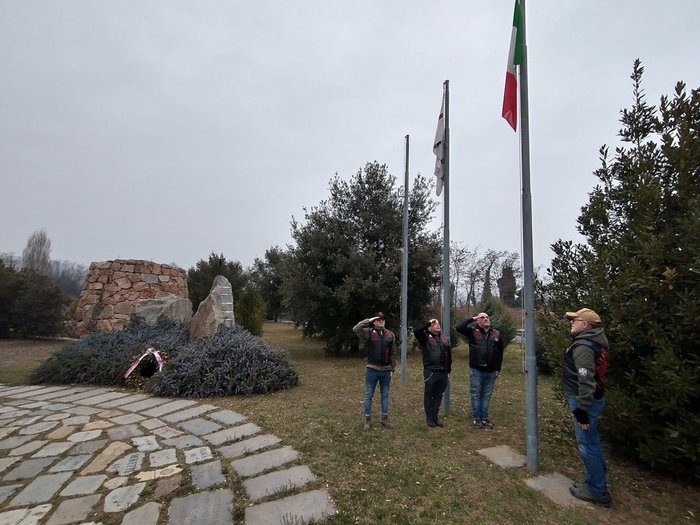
(267, 276)
(639, 270)
(201, 278)
(346, 263)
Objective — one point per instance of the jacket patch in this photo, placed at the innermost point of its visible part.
(583, 372)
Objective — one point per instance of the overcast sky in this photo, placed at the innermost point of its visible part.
(167, 130)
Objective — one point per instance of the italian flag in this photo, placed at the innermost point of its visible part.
(510, 94)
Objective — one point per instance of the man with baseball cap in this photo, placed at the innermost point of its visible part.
(381, 361)
(585, 363)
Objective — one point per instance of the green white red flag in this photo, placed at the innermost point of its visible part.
(439, 149)
(510, 94)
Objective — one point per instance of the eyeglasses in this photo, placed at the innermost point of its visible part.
(576, 319)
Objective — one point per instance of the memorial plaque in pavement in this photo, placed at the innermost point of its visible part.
(90, 447)
(54, 449)
(167, 432)
(167, 408)
(190, 413)
(199, 426)
(207, 475)
(228, 417)
(128, 464)
(164, 472)
(185, 441)
(29, 468)
(161, 458)
(124, 432)
(145, 443)
(308, 507)
(70, 463)
(204, 508)
(73, 510)
(84, 485)
(257, 463)
(14, 441)
(276, 481)
(124, 497)
(127, 419)
(113, 451)
(88, 435)
(6, 491)
(232, 434)
(148, 514)
(27, 448)
(242, 448)
(197, 455)
(40, 489)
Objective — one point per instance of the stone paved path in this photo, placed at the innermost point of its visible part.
(84, 455)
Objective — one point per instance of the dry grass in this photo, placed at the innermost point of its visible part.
(412, 474)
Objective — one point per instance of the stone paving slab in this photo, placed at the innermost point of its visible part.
(258, 463)
(556, 487)
(244, 447)
(124, 401)
(232, 434)
(149, 402)
(49, 393)
(146, 515)
(312, 506)
(190, 413)
(203, 508)
(167, 408)
(503, 456)
(269, 484)
(40, 489)
(73, 510)
(103, 398)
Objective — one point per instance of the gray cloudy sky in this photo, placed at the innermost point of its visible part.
(167, 130)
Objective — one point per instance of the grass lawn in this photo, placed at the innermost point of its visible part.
(413, 474)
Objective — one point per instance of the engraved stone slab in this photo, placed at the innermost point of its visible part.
(27, 448)
(232, 434)
(126, 419)
(274, 482)
(159, 473)
(28, 469)
(166, 408)
(199, 426)
(128, 464)
(207, 475)
(38, 428)
(73, 510)
(145, 443)
(167, 432)
(197, 455)
(25, 516)
(84, 485)
(41, 489)
(307, 507)
(185, 441)
(190, 413)
(124, 432)
(122, 498)
(146, 515)
(163, 457)
(228, 417)
(257, 463)
(242, 448)
(54, 449)
(114, 450)
(203, 508)
(88, 435)
(71, 463)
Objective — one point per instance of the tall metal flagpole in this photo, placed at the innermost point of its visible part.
(528, 266)
(446, 300)
(404, 274)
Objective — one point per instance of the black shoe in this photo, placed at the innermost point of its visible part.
(486, 424)
(477, 423)
(439, 423)
(430, 423)
(581, 492)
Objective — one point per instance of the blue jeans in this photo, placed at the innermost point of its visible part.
(480, 389)
(372, 377)
(590, 448)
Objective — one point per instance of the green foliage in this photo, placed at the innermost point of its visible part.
(232, 362)
(500, 317)
(639, 271)
(267, 276)
(201, 278)
(102, 358)
(31, 304)
(347, 260)
(250, 311)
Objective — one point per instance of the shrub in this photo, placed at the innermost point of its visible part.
(232, 362)
(250, 311)
(102, 358)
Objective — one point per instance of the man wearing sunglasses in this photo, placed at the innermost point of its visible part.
(585, 364)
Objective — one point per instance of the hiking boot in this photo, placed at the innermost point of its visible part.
(439, 423)
(486, 424)
(368, 423)
(430, 423)
(476, 423)
(581, 492)
(385, 422)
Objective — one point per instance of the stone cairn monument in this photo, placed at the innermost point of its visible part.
(114, 290)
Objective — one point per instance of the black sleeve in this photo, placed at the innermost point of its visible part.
(420, 333)
(463, 328)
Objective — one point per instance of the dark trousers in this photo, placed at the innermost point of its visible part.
(435, 385)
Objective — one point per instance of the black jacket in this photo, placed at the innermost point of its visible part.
(485, 346)
(437, 354)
